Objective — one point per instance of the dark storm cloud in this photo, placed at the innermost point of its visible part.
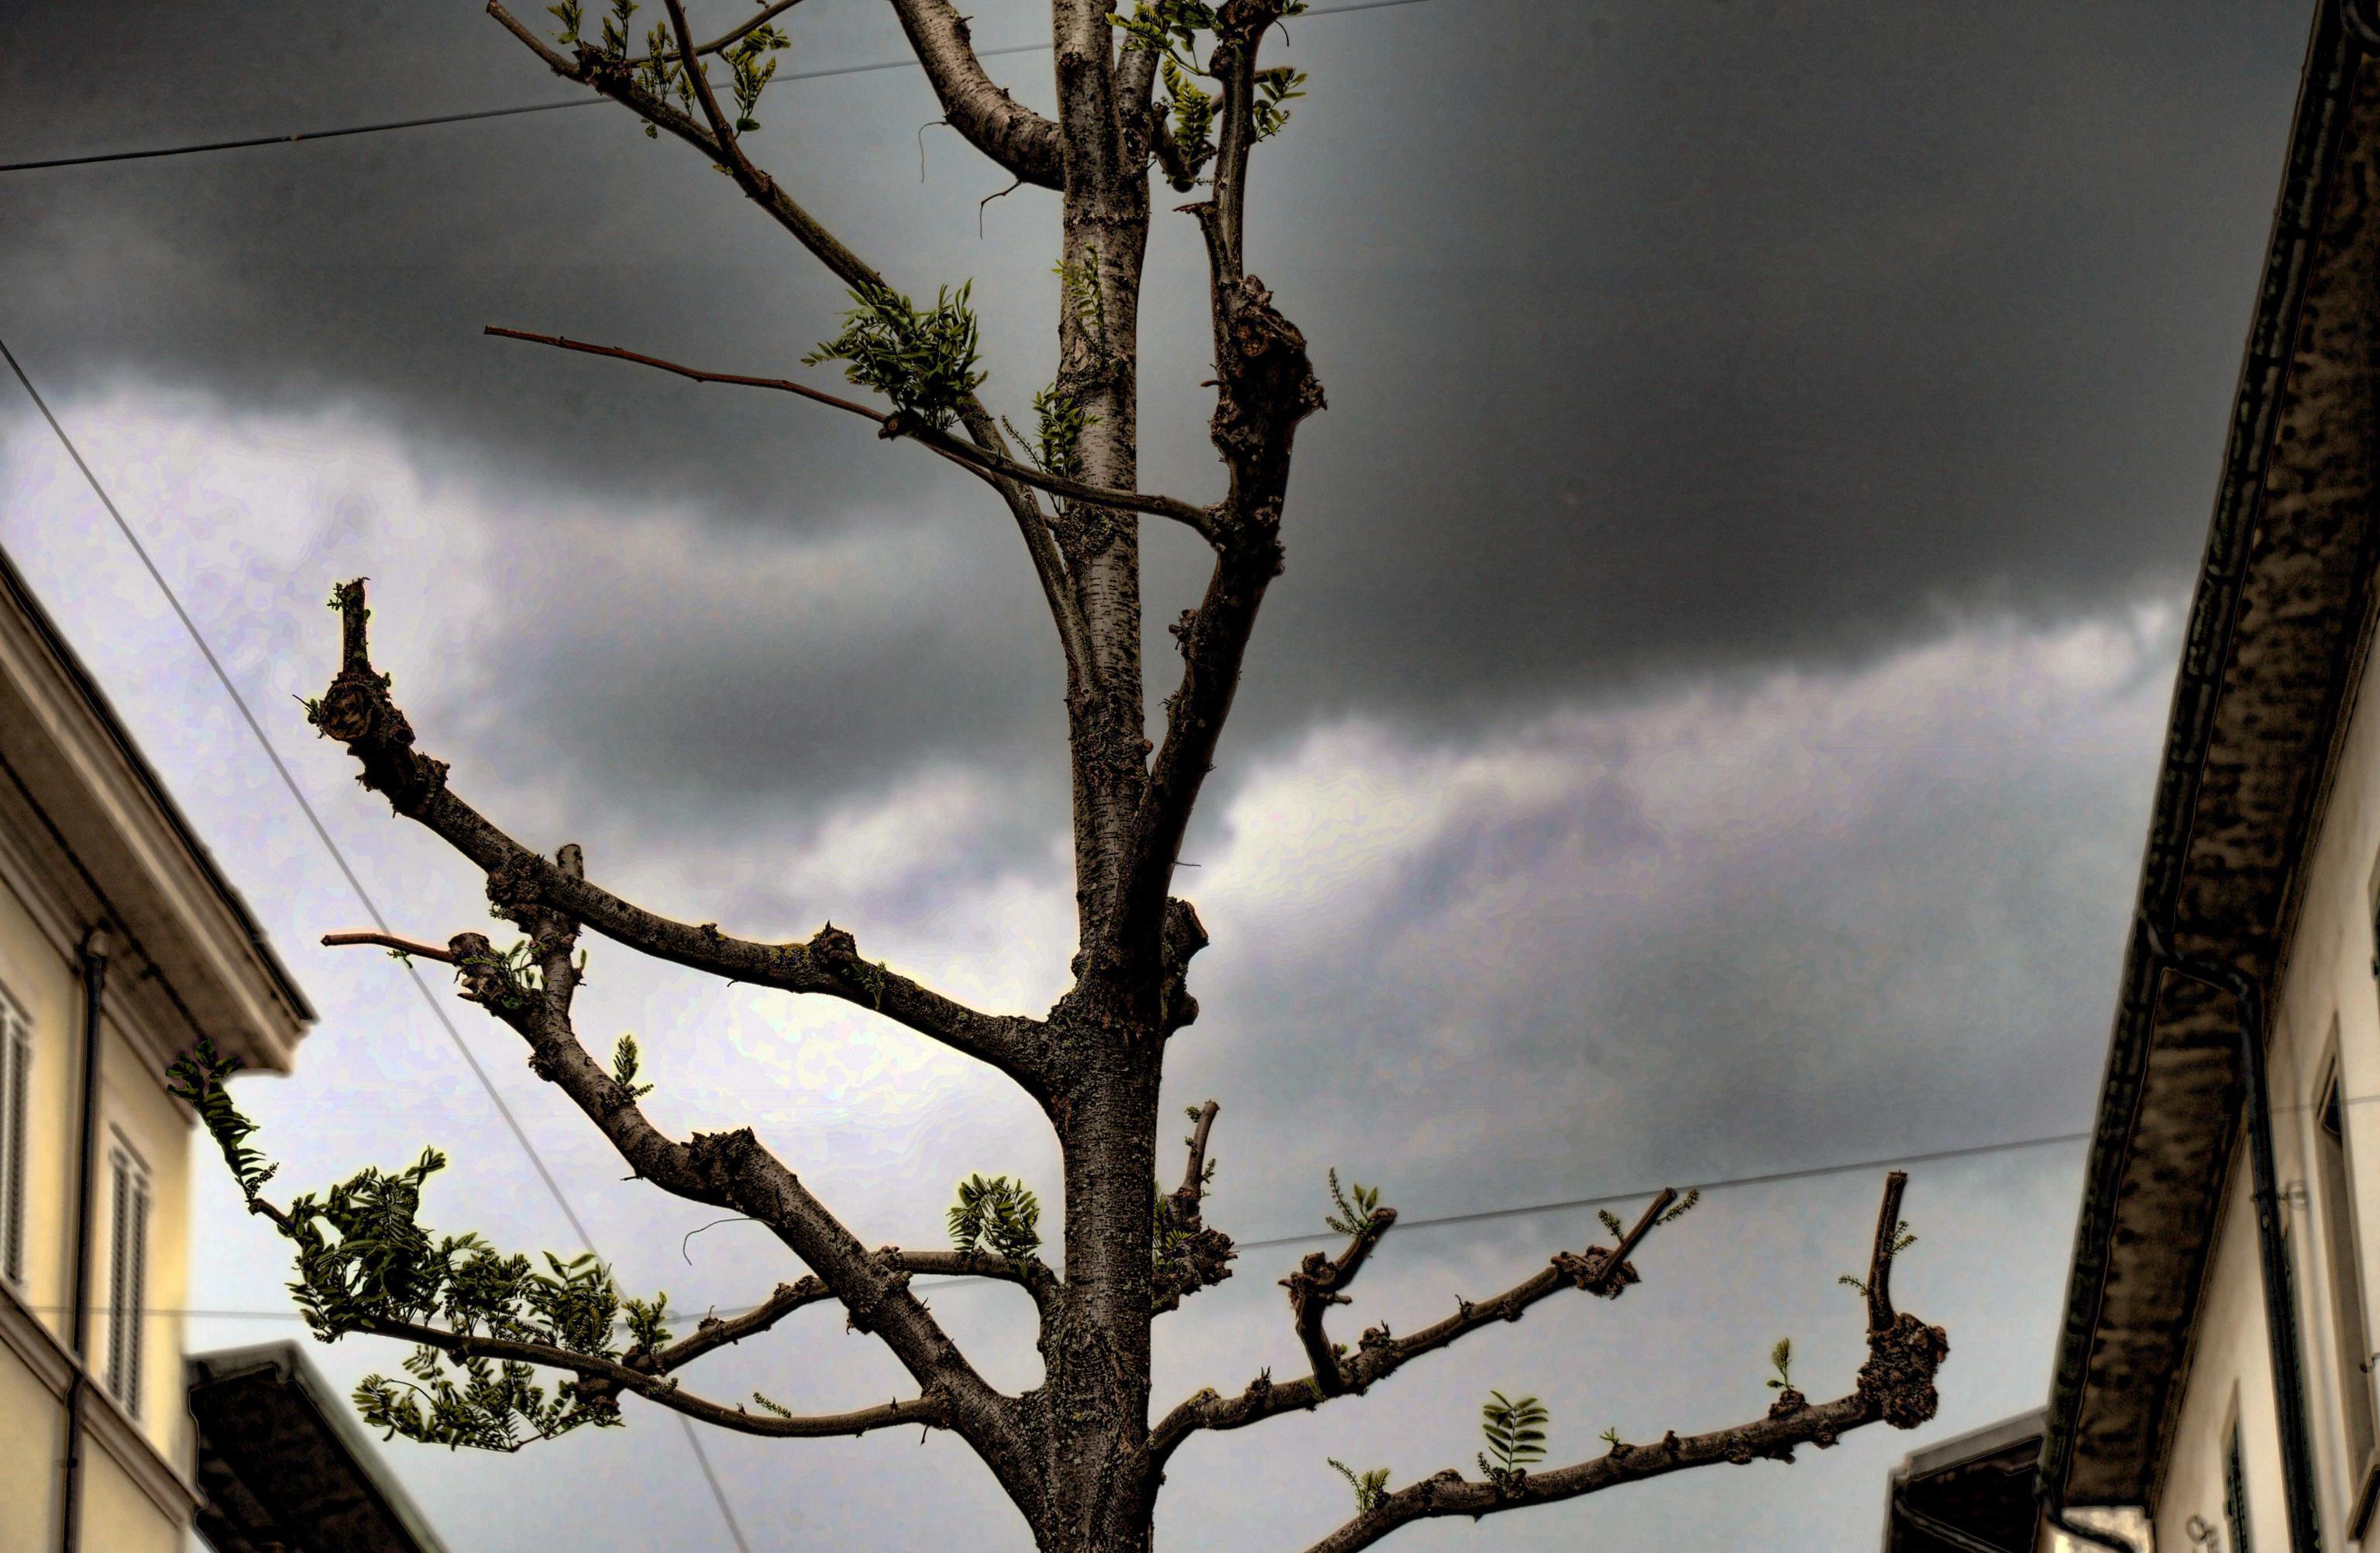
(1656, 337)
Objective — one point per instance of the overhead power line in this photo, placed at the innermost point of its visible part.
(907, 62)
(346, 871)
(1478, 1216)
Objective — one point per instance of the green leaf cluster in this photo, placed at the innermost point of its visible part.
(923, 359)
(1194, 109)
(625, 1067)
(1371, 1488)
(1169, 29)
(515, 971)
(1780, 1359)
(751, 60)
(197, 1078)
(659, 72)
(1357, 1207)
(1080, 280)
(1267, 115)
(998, 1215)
(1515, 1431)
(365, 1259)
(1057, 445)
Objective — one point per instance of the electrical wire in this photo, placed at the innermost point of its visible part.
(1476, 1215)
(346, 871)
(153, 152)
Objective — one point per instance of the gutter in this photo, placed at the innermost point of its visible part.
(2341, 37)
(2281, 1308)
(94, 987)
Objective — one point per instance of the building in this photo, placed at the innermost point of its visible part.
(2213, 1387)
(284, 1465)
(120, 943)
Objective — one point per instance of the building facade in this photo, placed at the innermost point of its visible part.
(2212, 1390)
(120, 943)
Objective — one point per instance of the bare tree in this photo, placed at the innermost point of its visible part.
(1079, 1455)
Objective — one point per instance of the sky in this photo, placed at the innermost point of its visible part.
(1706, 728)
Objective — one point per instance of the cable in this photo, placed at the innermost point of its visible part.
(1476, 1215)
(1773, 1177)
(252, 143)
(363, 895)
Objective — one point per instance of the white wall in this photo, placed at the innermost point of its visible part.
(2326, 983)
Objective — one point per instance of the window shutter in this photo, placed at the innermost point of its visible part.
(16, 1079)
(136, 1307)
(117, 1271)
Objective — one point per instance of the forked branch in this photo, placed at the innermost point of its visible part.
(615, 78)
(1604, 1271)
(1895, 1385)
(1013, 136)
(736, 1172)
(358, 712)
(749, 24)
(1191, 1253)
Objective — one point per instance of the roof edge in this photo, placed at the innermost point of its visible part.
(2333, 54)
(20, 594)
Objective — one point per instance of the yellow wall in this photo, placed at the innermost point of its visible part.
(135, 1107)
(29, 1455)
(38, 978)
(118, 1517)
(36, 969)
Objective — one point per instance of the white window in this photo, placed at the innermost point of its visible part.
(16, 1114)
(2335, 1175)
(2235, 1495)
(127, 1275)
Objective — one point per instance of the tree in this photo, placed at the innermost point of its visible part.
(1080, 1455)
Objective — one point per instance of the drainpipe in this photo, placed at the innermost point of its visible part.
(2280, 1309)
(94, 985)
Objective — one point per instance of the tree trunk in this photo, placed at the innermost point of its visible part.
(1090, 1415)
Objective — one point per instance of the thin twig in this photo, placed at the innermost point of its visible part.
(412, 947)
(978, 460)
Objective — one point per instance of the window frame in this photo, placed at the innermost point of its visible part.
(2238, 1525)
(131, 1199)
(16, 1148)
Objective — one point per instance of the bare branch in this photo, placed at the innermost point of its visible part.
(1028, 1273)
(1013, 135)
(1448, 1493)
(1192, 1254)
(732, 1171)
(602, 1377)
(977, 458)
(1895, 1387)
(1194, 1179)
(356, 711)
(713, 1332)
(1602, 1271)
(1223, 218)
(413, 947)
(1320, 1283)
(1878, 1289)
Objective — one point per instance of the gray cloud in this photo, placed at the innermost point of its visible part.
(1657, 340)
(1705, 726)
